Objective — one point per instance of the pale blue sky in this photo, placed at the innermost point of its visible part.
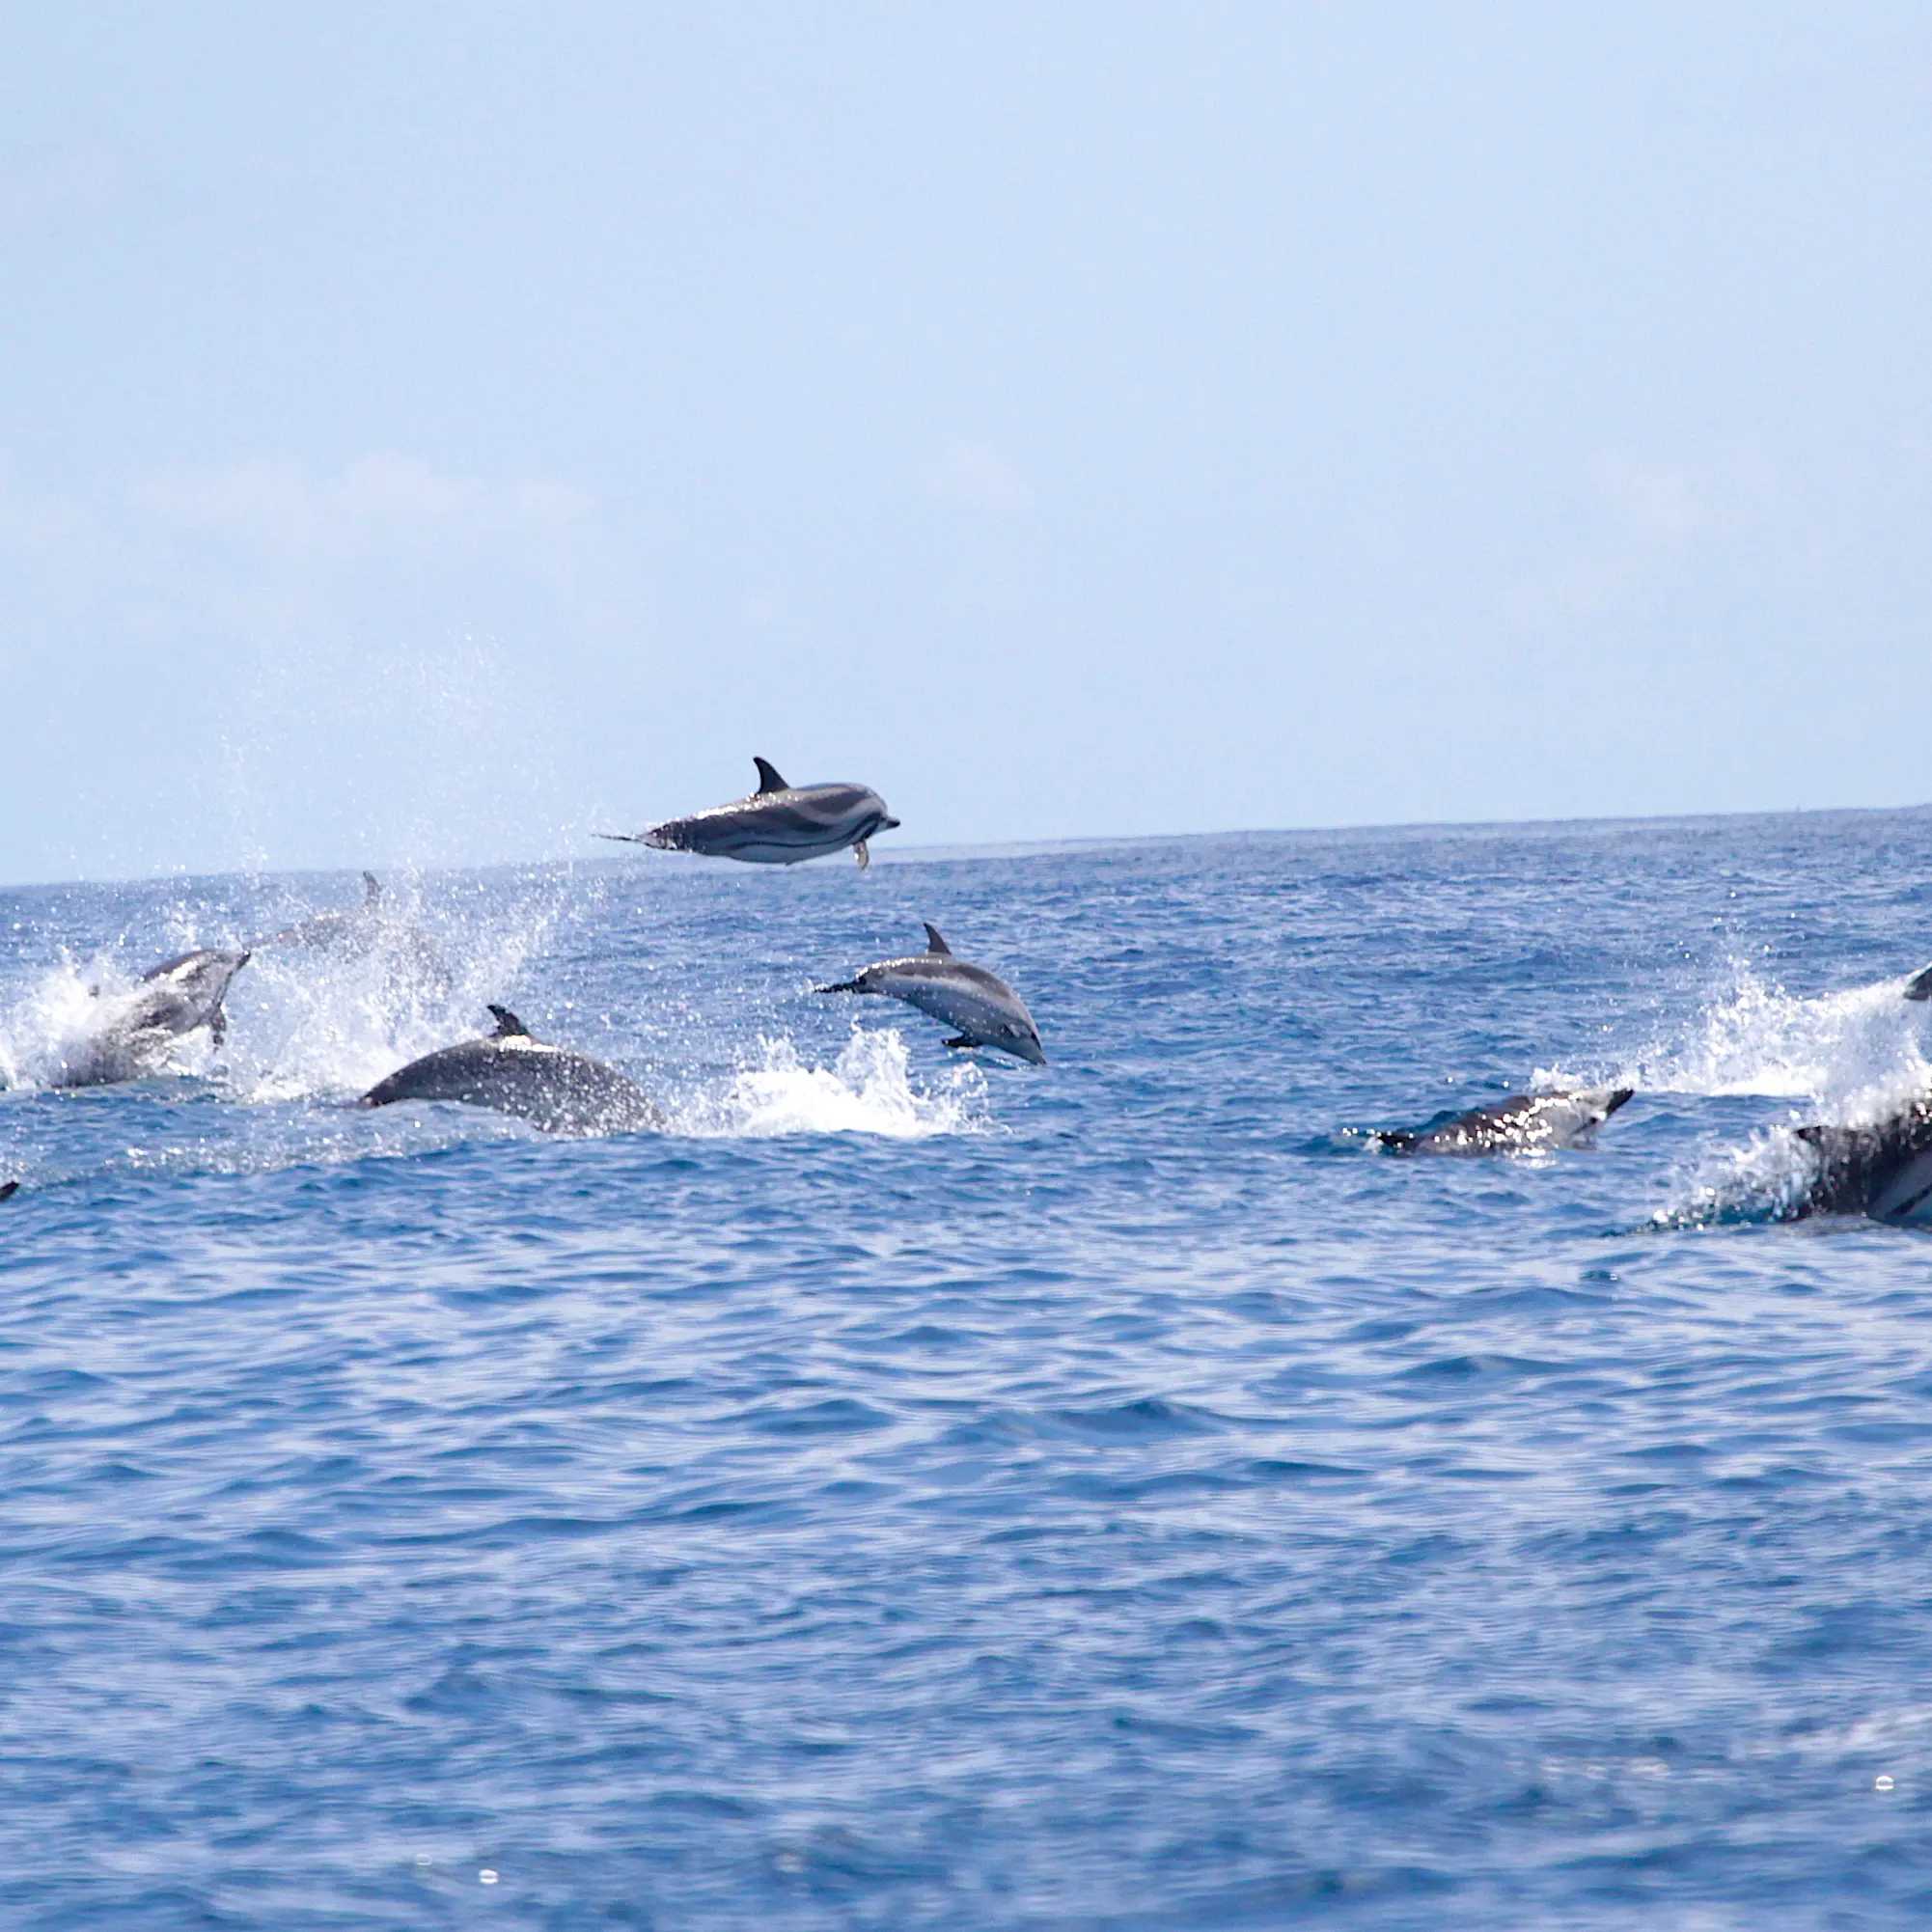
(432, 433)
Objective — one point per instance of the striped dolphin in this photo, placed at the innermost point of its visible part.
(133, 1031)
(1526, 1123)
(561, 1091)
(985, 1009)
(778, 825)
(1883, 1171)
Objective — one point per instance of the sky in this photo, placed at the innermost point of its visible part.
(431, 434)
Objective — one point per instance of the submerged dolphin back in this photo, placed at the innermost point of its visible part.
(1522, 1124)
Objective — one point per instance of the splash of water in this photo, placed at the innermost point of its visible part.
(868, 1090)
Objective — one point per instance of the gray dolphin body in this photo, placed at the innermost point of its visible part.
(779, 824)
(1884, 1171)
(372, 927)
(561, 1091)
(1525, 1123)
(985, 1009)
(136, 1029)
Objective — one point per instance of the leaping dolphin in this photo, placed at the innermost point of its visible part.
(135, 1030)
(778, 825)
(1883, 1171)
(372, 927)
(350, 933)
(1525, 1123)
(985, 1009)
(561, 1091)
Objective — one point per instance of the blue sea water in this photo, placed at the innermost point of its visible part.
(914, 1494)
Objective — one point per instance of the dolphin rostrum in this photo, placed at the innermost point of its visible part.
(985, 1009)
(561, 1091)
(1522, 1125)
(133, 1031)
(1884, 1170)
(778, 825)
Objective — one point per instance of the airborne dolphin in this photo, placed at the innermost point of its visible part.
(133, 1031)
(1883, 1171)
(778, 825)
(985, 1009)
(561, 1091)
(348, 933)
(1524, 1124)
(372, 927)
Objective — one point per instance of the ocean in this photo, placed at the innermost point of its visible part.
(914, 1492)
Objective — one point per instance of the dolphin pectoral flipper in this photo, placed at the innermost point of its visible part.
(962, 1041)
(859, 852)
(217, 1026)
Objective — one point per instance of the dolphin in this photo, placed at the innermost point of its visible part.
(350, 933)
(9, 1189)
(373, 927)
(135, 1030)
(985, 1009)
(778, 825)
(1525, 1123)
(1884, 1170)
(561, 1091)
(1920, 985)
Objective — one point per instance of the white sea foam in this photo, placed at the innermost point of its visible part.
(1854, 1053)
(1852, 1057)
(867, 1090)
(304, 1021)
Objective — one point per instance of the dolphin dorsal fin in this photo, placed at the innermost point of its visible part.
(507, 1024)
(933, 942)
(768, 778)
(372, 891)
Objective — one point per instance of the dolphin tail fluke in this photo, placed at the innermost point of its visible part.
(8, 1188)
(859, 852)
(768, 778)
(372, 889)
